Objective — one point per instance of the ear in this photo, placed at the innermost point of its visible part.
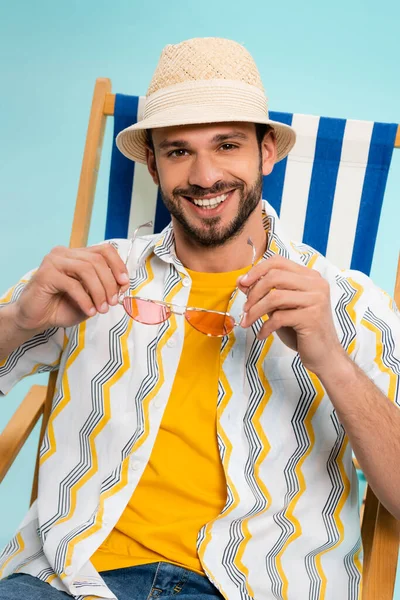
(268, 150)
(152, 165)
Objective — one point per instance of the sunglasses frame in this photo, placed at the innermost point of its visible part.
(177, 308)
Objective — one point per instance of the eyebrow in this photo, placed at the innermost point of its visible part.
(217, 139)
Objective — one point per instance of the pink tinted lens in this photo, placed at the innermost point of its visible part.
(149, 313)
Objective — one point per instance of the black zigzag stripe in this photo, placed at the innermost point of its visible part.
(221, 448)
(307, 395)
(62, 548)
(229, 500)
(15, 294)
(257, 392)
(328, 511)
(172, 280)
(45, 574)
(139, 277)
(255, 448)
(38, 340)
(221, 443)
(31, 558)
(201, 536)
(221, 393)
(147, 385)
(235, 532)
(167, 243)
(97, 414)
(12, 547)
(348, 327)
(352, 571)
(388, 346)
(59, 396)
(306, 253)
(269, 223)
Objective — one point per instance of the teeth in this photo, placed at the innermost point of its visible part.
(211, 202)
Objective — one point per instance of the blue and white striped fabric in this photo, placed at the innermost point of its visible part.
(328, 192)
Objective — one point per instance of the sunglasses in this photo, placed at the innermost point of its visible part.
(153, 312)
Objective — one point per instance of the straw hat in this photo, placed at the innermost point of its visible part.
(203, 80)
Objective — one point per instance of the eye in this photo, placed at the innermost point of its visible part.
(228, 147)
(178, 153)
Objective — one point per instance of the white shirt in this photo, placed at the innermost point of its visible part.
(290, 528)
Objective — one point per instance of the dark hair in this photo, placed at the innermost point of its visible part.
(261, 131)
(149, 140)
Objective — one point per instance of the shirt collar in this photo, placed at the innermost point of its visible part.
(163, 244)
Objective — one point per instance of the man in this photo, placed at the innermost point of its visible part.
(215, 465)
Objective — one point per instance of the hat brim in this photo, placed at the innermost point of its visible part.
(132, 141)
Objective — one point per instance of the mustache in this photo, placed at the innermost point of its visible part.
(199, 192)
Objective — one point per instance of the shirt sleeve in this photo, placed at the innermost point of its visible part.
(37, 355)
(378, 348)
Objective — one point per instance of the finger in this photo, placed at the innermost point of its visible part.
(277, 279)
(84, 272)
(74, 290)
(262, 268)
(114, 261)
(281, 318)
(279, 300)
(104, 274)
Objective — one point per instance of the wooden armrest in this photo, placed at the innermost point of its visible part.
(19, 427)
(380, 569)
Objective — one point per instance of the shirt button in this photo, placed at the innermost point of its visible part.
(69, 571)
(158, 402)
(135, 465)
(186, 281)
(171, 343)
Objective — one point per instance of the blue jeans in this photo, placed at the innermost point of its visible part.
(133, 583)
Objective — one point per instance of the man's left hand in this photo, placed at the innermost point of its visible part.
(296, 301)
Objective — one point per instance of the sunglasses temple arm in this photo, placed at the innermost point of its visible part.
(132, 239)
(250, 242)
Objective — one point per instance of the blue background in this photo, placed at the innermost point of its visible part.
(335, 59)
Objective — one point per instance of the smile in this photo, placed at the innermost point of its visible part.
(210, 202)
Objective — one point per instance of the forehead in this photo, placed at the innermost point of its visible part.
(203, 133)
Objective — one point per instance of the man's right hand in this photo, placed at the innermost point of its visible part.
(70, 286)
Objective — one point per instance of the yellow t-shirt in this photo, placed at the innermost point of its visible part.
(183, 486)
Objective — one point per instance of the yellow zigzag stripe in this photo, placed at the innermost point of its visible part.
(313, 258)
(312, 261)
(378, 359)
(289, 513)
(227, 456)
(358, 565)
(351, 310)
(67, 394)
(21, 548)
(125, 465)
(8, 295)
(266, 448)
(336, 515)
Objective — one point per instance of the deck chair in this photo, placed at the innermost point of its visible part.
(328, 193)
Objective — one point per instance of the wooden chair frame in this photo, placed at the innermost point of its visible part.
(380, 530)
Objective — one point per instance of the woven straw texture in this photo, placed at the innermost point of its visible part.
(204, 59)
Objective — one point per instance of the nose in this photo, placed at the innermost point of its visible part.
(204, 172)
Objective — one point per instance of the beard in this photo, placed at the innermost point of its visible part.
(211, 234)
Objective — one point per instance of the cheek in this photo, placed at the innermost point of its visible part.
(171, 177)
